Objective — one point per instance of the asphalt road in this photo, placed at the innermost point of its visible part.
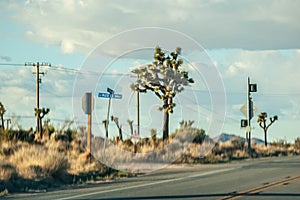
(271, 178)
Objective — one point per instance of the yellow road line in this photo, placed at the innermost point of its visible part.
(259, 189)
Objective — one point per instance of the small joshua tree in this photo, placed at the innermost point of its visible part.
(2, 111)
(262, 119)
(130, 122)
(116, 120)
(40, 113)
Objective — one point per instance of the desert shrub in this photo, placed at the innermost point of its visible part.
(280, 143)
(238, 143)
(17, 135)
(297, 143)
(7, 170)
(153, 134)
(37, 161)
(7, 148)
(199, 136)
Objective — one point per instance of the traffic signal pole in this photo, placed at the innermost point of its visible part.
(37, 96)
(248, 129)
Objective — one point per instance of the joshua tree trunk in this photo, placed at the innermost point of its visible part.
(166, 125)
(41, 127)
(120, 133)
(266, 143)
(2, 122)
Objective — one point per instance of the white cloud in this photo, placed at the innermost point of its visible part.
(214, 24)
(235, 69)
(275, 72)
(67, 46)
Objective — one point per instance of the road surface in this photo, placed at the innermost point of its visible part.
(268, 178)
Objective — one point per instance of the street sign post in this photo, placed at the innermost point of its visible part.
(110, 95)
(135, 139)
(87, 107)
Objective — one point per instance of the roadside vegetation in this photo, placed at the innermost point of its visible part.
(60, 158)
(28, 163)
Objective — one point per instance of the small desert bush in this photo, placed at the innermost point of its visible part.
(297, 144)
(17, 135)
(7, 170)
(37, 161)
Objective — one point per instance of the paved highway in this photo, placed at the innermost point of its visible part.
(269, 178)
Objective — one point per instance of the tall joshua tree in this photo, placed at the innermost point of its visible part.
(165, 79)
(262, 119)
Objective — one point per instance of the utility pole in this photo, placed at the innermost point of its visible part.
(38, 81)
(248, 130)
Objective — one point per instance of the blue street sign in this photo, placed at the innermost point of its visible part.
(107, 95)
(116, 96)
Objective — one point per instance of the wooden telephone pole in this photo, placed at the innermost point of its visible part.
(38, 81)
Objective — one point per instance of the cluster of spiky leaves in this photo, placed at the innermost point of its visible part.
(163, 77)
(261, 119)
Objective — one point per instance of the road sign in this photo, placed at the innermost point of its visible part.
(87, 103)
(253, 109)
(108, 95)
(135, 138)
(244, 123)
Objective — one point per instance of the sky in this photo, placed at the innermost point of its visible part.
(88, 43)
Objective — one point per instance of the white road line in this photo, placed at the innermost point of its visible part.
(149, 184)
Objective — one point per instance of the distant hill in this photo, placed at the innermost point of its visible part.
(224, 137)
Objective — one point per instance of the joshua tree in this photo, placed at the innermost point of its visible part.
(116, 120)
(261, 120)
(105, 124)
(165, 79)
(2, 111)
(41, 112)
(130, 122)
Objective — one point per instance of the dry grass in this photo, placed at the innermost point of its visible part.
(37, 161)
(7, 170)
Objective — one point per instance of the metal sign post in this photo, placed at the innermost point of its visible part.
(111, 94)
(87, 107)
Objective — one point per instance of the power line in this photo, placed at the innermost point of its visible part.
(96, 73)
(11, 64)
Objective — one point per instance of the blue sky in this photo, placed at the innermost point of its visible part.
(259, 39)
